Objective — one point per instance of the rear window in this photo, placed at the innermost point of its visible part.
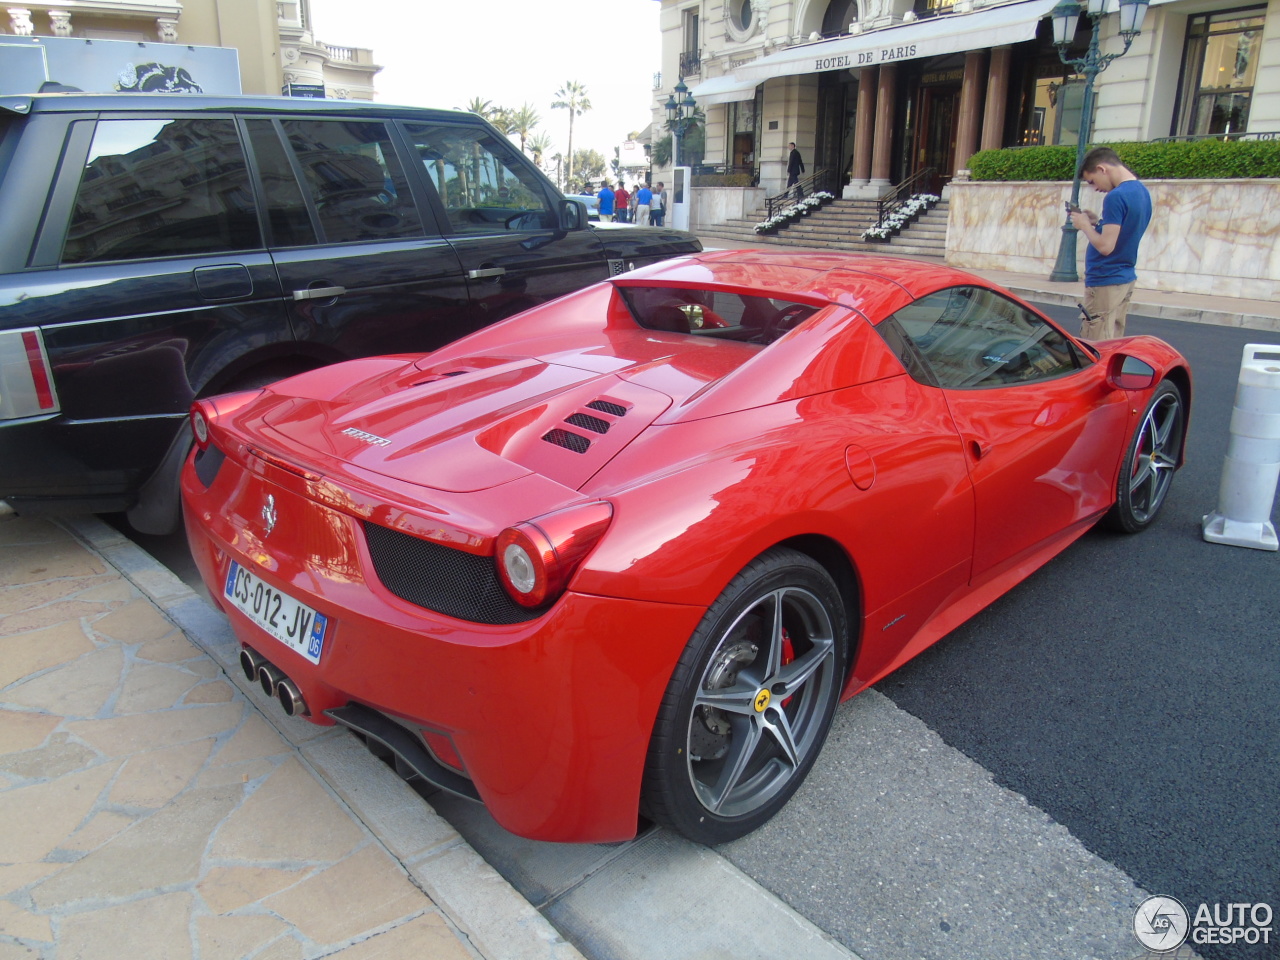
(715, 313)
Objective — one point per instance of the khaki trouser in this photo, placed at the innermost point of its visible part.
(1107, 308)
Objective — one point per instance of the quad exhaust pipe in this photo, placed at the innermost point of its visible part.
(274, 682)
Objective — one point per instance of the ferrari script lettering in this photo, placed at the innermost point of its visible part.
(372, 438)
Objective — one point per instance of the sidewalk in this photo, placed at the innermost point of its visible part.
(1193, 308)
(150, 810)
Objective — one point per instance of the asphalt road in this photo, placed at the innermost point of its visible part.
(1131, 688)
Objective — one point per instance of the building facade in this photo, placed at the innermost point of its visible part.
(277, 49)
(877, 91)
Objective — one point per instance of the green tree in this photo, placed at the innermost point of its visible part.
(523, 122)
(692, 147)
(539, 145)
(501, 118)
(572, 97)
(616, 163)
(481, 108)
(590, 167)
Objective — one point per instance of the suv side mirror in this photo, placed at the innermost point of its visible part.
(573, 215)
(1129, 373)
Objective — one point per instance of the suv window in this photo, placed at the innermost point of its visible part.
(286, 207)
(481, 185)
(355, 180)
(160, 188)
(971, 337)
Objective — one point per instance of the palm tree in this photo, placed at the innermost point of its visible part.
(501, 118)
(539, 144)
(482, 108)
(572, 97)
(523, 121)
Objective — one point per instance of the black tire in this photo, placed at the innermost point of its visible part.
(1146, 472)
(750, 702)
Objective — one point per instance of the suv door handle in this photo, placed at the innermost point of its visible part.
(319, 293)
(486, 272)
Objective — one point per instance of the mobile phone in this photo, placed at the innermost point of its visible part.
(1071, 207)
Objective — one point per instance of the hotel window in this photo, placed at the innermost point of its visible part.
(1218, 71)
(690, 58)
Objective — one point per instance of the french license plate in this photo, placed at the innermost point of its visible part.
(292, 623)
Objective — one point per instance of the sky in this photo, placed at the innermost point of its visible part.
(444, 53)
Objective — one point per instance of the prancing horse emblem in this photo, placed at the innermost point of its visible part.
(269, 515)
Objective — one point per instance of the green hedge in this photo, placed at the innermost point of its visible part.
(1193, 160)
(722, 180)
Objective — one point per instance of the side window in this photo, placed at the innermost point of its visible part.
(715, 314)
(286, 207)
(973, 338)
(482, 185)
(355, 180)
(162, 188)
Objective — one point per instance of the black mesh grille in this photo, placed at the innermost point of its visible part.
(588, 422)
(442, 579)
(569, 440)
(604, 406)
(207, 463)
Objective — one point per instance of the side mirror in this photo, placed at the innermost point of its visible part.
(573, 215)
(1130, 373)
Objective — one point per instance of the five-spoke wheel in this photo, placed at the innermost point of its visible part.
(750, 702)
(1150, 461)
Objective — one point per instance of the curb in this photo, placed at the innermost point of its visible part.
(498, 923)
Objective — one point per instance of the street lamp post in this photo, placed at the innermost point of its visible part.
(1066, 15)
(680, 116)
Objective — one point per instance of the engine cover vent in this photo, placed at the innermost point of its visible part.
(588, 422)
(605, 406)
(568, 439)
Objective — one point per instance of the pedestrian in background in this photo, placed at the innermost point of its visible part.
(1109, 273)
(795, 167)
(658, 210)
(620, 200)
(644, 203)
(605, 196)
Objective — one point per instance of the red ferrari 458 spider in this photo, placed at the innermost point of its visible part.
(621, 555)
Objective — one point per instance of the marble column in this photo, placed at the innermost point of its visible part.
(864, 127)
(997, 97)
(968, 123)
(882, 149)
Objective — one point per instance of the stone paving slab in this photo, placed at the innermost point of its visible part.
(152, 808)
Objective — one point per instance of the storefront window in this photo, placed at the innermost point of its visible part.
(1218, 71)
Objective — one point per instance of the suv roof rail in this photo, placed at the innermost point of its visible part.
(15, 104)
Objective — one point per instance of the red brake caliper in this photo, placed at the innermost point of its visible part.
(788, 654)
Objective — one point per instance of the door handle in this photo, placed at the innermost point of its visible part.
(319, 293)
(486, 272)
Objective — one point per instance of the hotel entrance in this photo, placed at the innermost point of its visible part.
(938, 112)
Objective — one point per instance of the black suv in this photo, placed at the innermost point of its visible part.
(161, 248)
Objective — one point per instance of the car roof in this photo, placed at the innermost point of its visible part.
(196, 102)
(850, 279)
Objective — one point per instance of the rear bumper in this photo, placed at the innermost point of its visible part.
(551, 717)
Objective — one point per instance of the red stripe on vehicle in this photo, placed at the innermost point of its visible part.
(39, 376)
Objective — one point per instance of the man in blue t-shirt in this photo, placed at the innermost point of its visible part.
(605, 197)
(1109, 273)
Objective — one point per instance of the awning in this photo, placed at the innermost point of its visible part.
(951, 33)
(724, 89)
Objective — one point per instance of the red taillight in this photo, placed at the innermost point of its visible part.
(537, 558)
(39, 371)
(26, 387)
(204, 412)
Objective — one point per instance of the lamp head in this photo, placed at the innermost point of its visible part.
(1132, 13)
(1066, 15)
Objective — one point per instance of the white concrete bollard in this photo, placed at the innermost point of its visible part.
(1252, 466)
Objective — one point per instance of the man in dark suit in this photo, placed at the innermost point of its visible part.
(795, 167)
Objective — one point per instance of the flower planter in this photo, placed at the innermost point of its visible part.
(875, 239)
